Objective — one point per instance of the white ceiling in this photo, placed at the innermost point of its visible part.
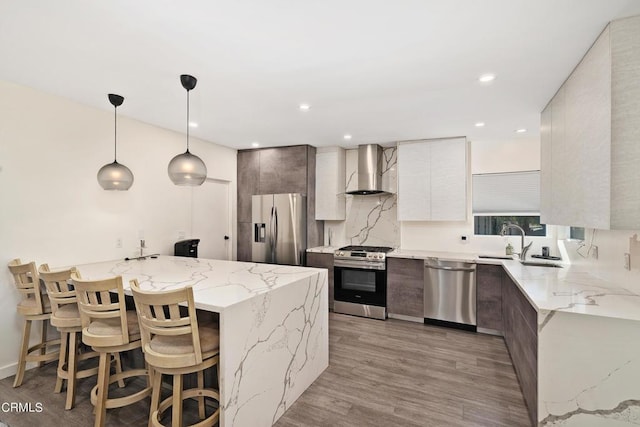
(380, 70)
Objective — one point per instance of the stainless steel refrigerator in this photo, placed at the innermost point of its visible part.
(279, 228)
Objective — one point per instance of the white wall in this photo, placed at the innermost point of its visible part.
(54, 211)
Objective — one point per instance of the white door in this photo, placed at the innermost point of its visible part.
(211, 219)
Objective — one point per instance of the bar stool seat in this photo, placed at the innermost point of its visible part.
(34, 306)
(110, 329)
(174, 344)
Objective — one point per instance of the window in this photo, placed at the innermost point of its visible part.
(576, 233)
(512, 197)
(491, 225)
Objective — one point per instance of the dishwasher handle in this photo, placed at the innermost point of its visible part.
(449, 268)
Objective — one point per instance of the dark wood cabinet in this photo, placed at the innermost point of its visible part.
(489, 296)
(319, 260)
(405, 286)
(521, 336)
(276, 171)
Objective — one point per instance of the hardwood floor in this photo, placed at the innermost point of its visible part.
(381, 373)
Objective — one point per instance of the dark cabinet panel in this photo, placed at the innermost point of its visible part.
(405, 286)
(283, 170)
(315, 229)
(248, 167)
(521, 336)
(245, 237)
(489, 296)
(318, 260)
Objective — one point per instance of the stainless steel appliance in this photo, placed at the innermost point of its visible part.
(370, 165)
(450, 293)
(279, 228)
(360, 281)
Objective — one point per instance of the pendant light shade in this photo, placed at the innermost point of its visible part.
(186, 168)
(115, 176)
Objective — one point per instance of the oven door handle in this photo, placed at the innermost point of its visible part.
(449, 268)
(359, 265)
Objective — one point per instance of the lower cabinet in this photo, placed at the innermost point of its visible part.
(489, 296)
(320, 260)
(521, 336)
(405, 286)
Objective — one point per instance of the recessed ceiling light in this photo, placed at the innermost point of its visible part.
(486, 78)
(304, 107)
(522, 130)
(479, 124)
(193, 125)
(347, 137)
(255, 144)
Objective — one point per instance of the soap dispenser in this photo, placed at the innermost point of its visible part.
(508, 249)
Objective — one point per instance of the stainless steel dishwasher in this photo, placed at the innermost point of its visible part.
(450, 293)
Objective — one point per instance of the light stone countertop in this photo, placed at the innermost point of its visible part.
(574, 288)
(217, 284)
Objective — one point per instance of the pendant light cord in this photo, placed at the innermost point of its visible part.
(187, 120)
(115, 134)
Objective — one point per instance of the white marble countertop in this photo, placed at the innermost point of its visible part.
(573, 288)
(578, 289)
(217, 284)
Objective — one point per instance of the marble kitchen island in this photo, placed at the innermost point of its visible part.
(273, 326)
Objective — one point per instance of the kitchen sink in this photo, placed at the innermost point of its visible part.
(540, 264)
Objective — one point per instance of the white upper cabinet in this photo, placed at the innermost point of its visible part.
(330, 183)
(589, 137)
(432, 180)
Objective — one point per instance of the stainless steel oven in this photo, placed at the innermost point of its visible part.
(360, 281)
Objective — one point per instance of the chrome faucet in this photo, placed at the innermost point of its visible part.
(523, 249)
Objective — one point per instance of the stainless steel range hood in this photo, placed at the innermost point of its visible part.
(369, 170)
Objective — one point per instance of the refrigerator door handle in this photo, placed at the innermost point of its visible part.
(275, 227)
(270, 238)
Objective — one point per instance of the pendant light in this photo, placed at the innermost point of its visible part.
(186, 168)
(114, 176)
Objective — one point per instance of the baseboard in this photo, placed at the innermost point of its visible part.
(407, 318)
(11, 369)
(490, 332)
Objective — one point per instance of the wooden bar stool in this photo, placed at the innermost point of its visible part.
(66, 317)
(110, 329)
(34, 306)
(173, 344)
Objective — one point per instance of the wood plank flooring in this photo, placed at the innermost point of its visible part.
(381, 373)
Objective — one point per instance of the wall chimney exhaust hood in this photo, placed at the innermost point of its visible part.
(369, 170)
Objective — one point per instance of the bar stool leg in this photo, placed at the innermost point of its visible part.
(176, 409)
(103, 388)
(201, 398)
(119, 369)
(155, 395)
(43, 349)
(24, 348)
(62, 360)
(72, 369)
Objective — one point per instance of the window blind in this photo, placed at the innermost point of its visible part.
(513, 192)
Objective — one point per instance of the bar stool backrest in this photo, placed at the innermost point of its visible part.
(163, 324)
(61, 292)
(102, 306)
(27, 282)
